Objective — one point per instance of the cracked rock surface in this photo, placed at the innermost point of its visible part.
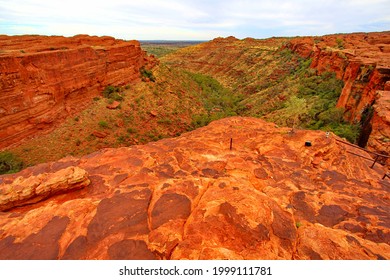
(192, 197)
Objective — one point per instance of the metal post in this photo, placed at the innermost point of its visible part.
(376, 159)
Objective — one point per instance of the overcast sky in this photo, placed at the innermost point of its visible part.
(192, 19)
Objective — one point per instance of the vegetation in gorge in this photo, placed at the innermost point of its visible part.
(218, 101)
(9, 163)
(269, 82)
(302, 98)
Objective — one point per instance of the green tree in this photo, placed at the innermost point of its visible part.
(295, 107)
(9, 163)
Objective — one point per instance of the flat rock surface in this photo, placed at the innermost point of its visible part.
(192, 197)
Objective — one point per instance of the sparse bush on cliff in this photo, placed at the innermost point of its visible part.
(103, 124)
(145, 73)
(200, 120)
(9, 163)
(340, 43)
(113, 93)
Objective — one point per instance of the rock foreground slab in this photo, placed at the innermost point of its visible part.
(192, 197)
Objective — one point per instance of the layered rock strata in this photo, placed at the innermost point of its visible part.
(194, 197)
(30, 190)
(44, 79)
(361, 60)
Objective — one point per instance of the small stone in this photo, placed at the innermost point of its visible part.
(316, 161)
(120, 123)
(114, 105)
(99, 134)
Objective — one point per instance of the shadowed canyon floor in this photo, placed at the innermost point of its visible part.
(192, 197)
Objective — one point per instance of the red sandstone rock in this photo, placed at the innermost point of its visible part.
(192, 197)
(361, 60)
(44, 79)
(364, 65)
(30, 190)
(120, 123)
(100, 134)
(114, 105)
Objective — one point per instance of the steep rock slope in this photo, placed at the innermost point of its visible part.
(269, 196)
(361, 60)
(44, 79)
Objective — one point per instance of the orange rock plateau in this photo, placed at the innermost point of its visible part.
(44, 79)
(192, 197)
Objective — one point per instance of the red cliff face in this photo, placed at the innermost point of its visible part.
(362, 61)
(44, 79)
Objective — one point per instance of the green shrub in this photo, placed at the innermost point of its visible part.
(200, 120)
(295, 107)
(103, 124)
(164, 121)
(112, 93)
(9, 163)
(351, 132)
(131, 130)
(147, 74)
(286, 54)
(340, 43)
(121, 139)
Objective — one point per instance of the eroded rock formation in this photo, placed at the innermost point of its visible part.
(44, 79)
(192, 197)
(30, 190)
(362, 61)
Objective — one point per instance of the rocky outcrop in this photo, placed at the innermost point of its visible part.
(194, 197)
(362, 61)
(23, 191)
(44, 79)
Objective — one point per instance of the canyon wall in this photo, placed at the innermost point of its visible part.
(43, 79)
(362, 61)
(250, 66)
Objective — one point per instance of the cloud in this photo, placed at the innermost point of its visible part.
(190, 19)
